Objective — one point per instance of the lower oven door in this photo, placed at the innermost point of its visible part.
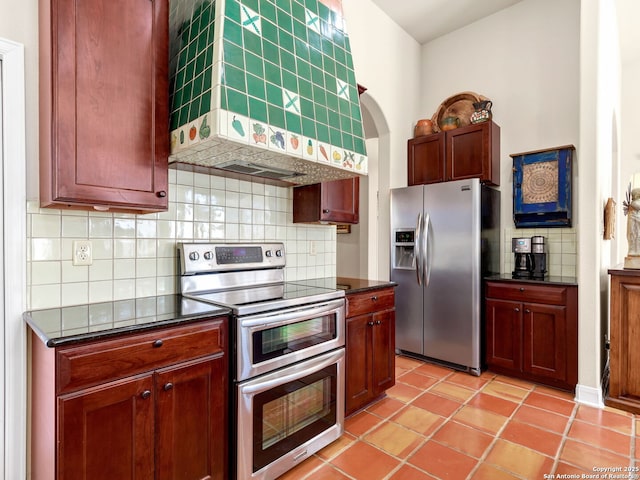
(268, 341)
(285, 416)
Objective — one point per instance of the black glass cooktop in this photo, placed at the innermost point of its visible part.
(243, 301)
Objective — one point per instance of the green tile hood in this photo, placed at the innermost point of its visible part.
(265, 87)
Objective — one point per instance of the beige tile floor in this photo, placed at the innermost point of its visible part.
(436, 423)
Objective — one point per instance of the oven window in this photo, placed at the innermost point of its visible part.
(288, 415)
(278, 341)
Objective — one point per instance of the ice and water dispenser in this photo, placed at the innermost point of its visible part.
(403, 245)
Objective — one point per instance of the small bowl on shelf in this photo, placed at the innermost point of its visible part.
(449, 123)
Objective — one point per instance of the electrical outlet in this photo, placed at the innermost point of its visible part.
(312, 247)
(82, 252)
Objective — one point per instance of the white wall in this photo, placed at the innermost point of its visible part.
(21, 26)
(526, 60)
(387, 62)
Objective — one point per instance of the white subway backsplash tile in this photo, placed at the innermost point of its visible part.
(100, 227)
(76, 227)
(135, 255)
(43, 225)
(561, 245)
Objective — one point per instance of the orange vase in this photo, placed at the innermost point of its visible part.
(423, 127)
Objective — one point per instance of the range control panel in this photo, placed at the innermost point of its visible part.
(221, 257)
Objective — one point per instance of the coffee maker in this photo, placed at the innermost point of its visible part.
(539, 255)
(523, 259)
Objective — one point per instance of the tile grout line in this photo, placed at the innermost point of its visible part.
(482, 459)
(565, 437)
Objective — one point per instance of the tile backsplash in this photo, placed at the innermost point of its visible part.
(561, 245)
(135, 255)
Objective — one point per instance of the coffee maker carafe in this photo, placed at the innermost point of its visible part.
(539, 254)
(523, 259)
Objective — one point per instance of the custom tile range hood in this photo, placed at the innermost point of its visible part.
(265, 88)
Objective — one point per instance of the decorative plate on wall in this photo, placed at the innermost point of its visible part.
(542, 187)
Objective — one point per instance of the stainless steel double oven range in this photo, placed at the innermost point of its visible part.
(287, 343)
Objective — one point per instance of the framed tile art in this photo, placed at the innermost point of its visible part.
(542, 187)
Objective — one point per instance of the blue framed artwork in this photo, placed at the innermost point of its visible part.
(542, 187)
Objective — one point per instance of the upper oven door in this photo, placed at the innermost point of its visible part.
(265, 342)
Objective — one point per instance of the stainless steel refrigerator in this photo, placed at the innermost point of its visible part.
(444, 239)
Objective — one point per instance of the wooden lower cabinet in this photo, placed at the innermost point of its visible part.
(532, 332)
(166, 421)
(370, 347)
(624, 332)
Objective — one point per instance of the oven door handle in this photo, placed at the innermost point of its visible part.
(284, 317)
(290, 373)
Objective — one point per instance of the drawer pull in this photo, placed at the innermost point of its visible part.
(374, 298)
(146, 394)
(516, 309)
(168, 386)
(158, 344)
(522, 289)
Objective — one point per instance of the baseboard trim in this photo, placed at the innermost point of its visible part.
(589, 396)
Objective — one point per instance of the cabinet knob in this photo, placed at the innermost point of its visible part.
(158, 344)
(146, 394)
(526, 310)
(378, 322)
(168, 386)
(374, 298)
(522, 289)
(326, 210)
(370, 324)
(161, 194)
(516, 309)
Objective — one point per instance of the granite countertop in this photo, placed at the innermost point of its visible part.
(549, 280)
(82, 323)
(349, 285)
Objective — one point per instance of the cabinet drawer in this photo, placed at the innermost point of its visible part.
(371, 301)
(102, 361)
(527, 292)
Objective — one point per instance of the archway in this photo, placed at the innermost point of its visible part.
(365, 252)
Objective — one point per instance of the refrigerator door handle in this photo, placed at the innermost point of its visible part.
(417, 255)
(424, 236)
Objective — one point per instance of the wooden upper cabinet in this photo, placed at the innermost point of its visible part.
(104, 133)
(426, 159)
(332, 202)
(472, 151)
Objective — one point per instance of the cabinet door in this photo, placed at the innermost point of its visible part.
(470, 153)
(192, 420)
(358, 362)
(383, 351)
(425, 159)
(545, 340)
(624, 384)
(504, 334)
(107, 432)
(340, 201)
(104, 110)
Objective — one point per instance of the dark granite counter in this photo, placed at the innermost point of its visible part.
(349, 285)
(549, 280)
(82, 323)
